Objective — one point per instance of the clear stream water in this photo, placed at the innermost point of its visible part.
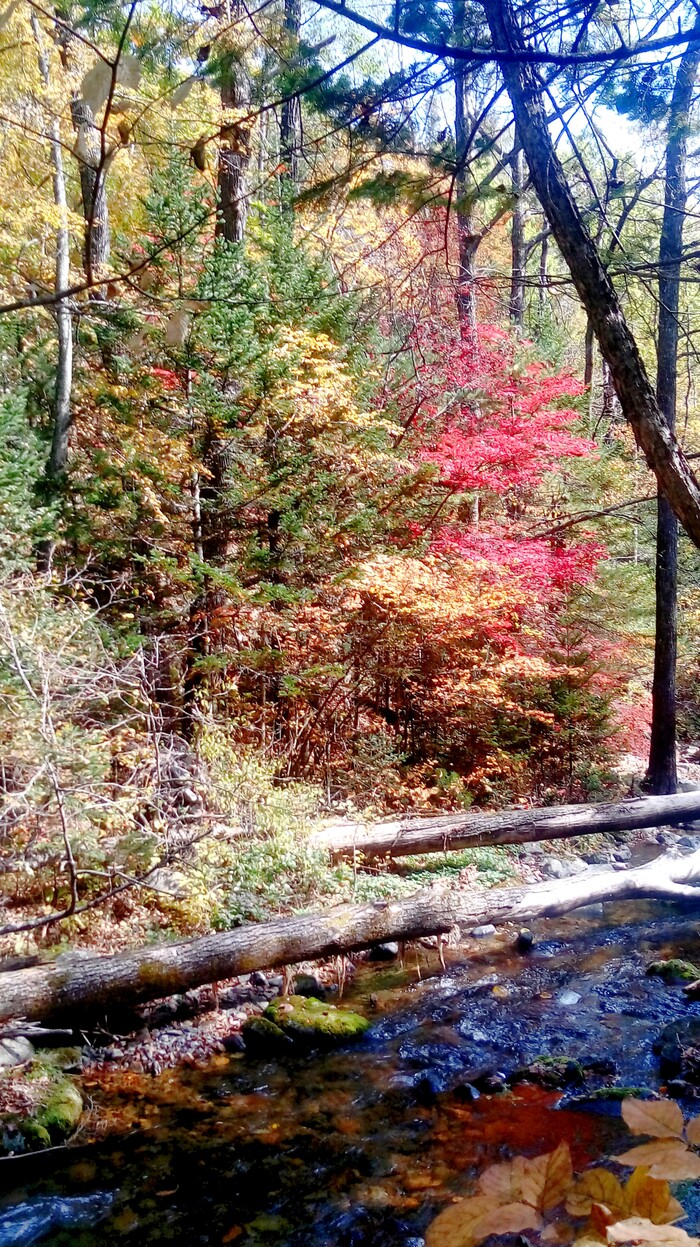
(362, 1146)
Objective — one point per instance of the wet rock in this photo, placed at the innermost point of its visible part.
(51, 1106)
(623, 854)
(597, 857)
(685, 1031)
(608, 1099)
(562, 867)
(262, 1038)
(258, 979)
(233, 1042)
(674, 971)
(467, 1092)
(525, 940)
(670, 1060)
(307, 1020)
(309, 985)
(15, 1052)
(27, 1223)
(688, 842)
(384, 952)
(551, 1071)
(486, 929)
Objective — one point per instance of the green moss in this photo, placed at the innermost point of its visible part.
(307, 1019)
(674, 971)
(53, 1104)
(613, 1095)
(263, 1037)
(551, 1071)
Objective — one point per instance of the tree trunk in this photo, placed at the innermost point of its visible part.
(62, 415)
(462, 831)
(93, 192)
(85, 987)
(290, 118)
(234, 158)
(588, 356)
(468, 237)
(594, 287)
(661, 774)
(517, 241)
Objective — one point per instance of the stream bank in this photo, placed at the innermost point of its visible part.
(364, 1145)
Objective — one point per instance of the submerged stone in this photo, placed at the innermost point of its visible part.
(305, 1019)
(674, 970)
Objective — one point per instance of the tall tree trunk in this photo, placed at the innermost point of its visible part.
(468, 237)
(592, 283)
(234, 158)
(588, 356)
(290, 118)
(661, 774)
(93, 193)
(62, 415)
(517, 241)
(544, 278)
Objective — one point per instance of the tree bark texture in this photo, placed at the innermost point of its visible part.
(234, 158)
(447, 832)
(62, 413)
(468, 236)
(517, 241)
(93, 193)
(82, 988)
(661, 774)
(290, 116)
(594, 287)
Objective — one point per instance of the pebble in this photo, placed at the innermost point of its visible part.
(481, 932)
(525, 940)
(568, 998)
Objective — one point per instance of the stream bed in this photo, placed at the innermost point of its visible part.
(364, 1146)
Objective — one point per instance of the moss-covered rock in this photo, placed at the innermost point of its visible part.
(263, 1038)
(674, 971)
(307, 1020)
(40, 1106)
(551, 1071)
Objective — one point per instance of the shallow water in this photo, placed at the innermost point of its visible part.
(364, 1146)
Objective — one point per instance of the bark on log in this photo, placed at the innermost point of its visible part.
(81, 988)
(447, 832)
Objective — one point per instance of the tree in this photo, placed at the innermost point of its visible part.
(661, 774)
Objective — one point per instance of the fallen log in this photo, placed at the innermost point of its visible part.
(82, 987)
(443, 833)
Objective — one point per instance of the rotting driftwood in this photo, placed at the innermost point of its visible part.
(81, 988)
(447, 832)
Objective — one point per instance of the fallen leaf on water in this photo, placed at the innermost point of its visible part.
(651, 1197)
(641, 1230)
(662, 1119)
(692, 1130)
(665, 1158)
(596, 1186)
(472, 1220)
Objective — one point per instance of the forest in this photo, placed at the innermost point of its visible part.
(349, 600)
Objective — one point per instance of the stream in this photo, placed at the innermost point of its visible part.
(366, 1144)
